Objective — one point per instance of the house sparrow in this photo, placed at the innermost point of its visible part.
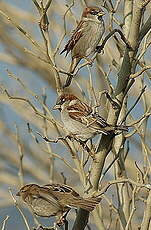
(80, 120)
(54, 199)
(85, 37)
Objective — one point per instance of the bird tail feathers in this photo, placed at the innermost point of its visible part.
(88, 204)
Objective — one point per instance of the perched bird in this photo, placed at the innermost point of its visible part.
(85, 37)
(80, 120)
(54, 199)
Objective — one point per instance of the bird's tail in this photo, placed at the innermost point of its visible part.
(87, 204)
(121, 127)
(74, 63)
(113, 128)
(68, 81)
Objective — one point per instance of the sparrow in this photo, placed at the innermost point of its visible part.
(80, 120)
(85, 38)
(54, 199)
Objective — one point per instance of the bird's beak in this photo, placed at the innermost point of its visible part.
(101, 13)
(56, 107)
(18, 194)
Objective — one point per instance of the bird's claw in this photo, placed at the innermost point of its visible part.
(44, 228)
(99, 49)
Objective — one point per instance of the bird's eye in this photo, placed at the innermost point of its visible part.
(94, 12)
(60, 102)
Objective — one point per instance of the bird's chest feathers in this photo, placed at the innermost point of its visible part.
(97, 31)
(93, 36)
(70, 124)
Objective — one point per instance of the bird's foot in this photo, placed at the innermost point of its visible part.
(91, 151)
(68, 80)
(89, 60)
(61, 221)
(40, 227)
(99, 49)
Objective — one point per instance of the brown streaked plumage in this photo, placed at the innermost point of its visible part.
(80, 120)
(40, 200)
(54, 199)
(67, 196)
(85, 37)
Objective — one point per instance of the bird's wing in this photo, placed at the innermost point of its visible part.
(61, 189)
(79, 112)
(49, 197)
(76, 35)
(83, 113)
(100, 120)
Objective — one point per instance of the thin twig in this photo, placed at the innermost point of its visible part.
(145, 116)
(4, 223)
(132, 210)
(124, 180)
(20, 172)
(110, 165)
(101, 47)
(53, 140)
(23, 32)
(22, 214)
(63, 160)
(55, 123)
(133, 106)
(137, 74)
(65, 28)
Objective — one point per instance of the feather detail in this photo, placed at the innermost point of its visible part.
(77, 34)
(87, 204)
(121, 127)
(64, 189)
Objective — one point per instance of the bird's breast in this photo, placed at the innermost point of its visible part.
(44, 208)
(91, 36)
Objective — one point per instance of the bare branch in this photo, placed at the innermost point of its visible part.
(20, 150)
(22, 214)
(4, 223)
(133, 106)
(147, 214)
(101, 47)
(137, 74)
